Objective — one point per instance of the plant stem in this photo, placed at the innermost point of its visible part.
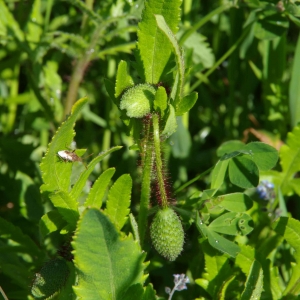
(146, 151)
(158, 162)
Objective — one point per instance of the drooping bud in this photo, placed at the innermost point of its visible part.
(138, 100)
(167, 233)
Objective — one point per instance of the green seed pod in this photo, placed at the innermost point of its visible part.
(138, 100)
(50, 279)
(167, 233)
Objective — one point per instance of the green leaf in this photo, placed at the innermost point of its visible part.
(161, 101)
(270, 25)
(236, 202)
(245, 258)
(134, 227)
(13, 233)
(118, 200)
(294, 88)
(149, 293)
(218, 174)
(56, 174)
(202, 52)
(243, 172)
(123, 80)
(137, 292)
(161, 22)
(97, 192)
(290, 159)
(254, 283)
(119, 260)
(224, 287)
(154, 50)
(34, 29)
(66, 206)
(186, 103)
(234, 154)
(217, 269)
(8, 23)
(263, 155)
(289, 228)
(50, 222)
(29, 198)
(233, 224)
(110, 88)
(229, 146)
(181, 141)
(80, 183)
(171, 123)
(217, 241)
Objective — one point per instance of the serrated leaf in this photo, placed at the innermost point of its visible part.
(243, 172)
(290, 158)
(202, 52)
(217, 269)
(80, 183)
(289, 228)
(56, 174)
(254, 283)
(149, 293)
(264, 156)
(237, 202)
(171, 123)
(123, 80)
(66, 206)
(245, 258)
(154, 49)
(161, 101)
(118, 200)
(218, 174)
(186, 103)
(162, 24)
(217, 241)
(119, 261)
(51, 222)
(229, 146)
(137, 292)
(233, 224)
(97, 192)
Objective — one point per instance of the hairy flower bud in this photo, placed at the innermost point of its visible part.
(138, 100)
(167, 233)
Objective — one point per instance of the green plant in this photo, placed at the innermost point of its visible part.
(108, 238)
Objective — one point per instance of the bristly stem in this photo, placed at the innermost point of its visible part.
(158, 162)
(146, 152)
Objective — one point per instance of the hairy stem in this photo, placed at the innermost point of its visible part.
(158, 162)
(146, 181)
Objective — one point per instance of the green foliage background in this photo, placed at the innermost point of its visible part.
(242, 57)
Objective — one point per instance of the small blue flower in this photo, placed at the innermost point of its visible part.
(265, 190)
